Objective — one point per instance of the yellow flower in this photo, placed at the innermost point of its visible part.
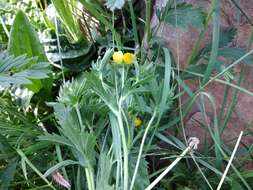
(128, 58)
(137, 122)
(117, 57)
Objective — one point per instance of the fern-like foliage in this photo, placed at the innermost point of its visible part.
(16, 70)
(183, 16)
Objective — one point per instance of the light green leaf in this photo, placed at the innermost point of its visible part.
(11, 71)
(166, 91)
(56, 139)
(58, 166)
(65, 10)
(104, 172)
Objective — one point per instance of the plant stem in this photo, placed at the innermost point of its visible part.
(125, 151)
(79, 118)
(141, 148)
(234, 100)
(159, 178)
(133, 19)
(23, 156)
(148, 16)
(230, 161)
(89, 169)
(215, 41)
(59, 156)
(59, 48)
(96, 13)
(89, 178)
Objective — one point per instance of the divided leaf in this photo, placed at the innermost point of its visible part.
(185, 15)
(11, 71)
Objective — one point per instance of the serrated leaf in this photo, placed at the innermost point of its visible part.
(11, 62)
(186, 15)
(114, 4)
(56, 139)
(234, 54)
(36, 71)
(104, 172)
(84, 144)
(11, 71)
(226, 37)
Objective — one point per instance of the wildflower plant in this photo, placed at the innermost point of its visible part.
(106, 90)
(108, 97)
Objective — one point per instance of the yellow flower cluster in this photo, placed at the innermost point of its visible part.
(126, 58)
(137, 122)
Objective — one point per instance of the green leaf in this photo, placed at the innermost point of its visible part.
(5, 146)
(234, 54)
(56, 139)
(142, 178)
(226, 37)
(36, 71)
(11, 71)
(186, 15)
(104, 172)
(65, 10)
(24, 40)
(236, 185)
(58, 166)
(11, 62)
(166, 91)
(96, 85)
(84, 144)
(114, 4)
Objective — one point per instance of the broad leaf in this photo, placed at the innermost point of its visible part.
(24, 40)
(65, 10)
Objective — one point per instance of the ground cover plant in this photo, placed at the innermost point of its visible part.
(105, 95)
